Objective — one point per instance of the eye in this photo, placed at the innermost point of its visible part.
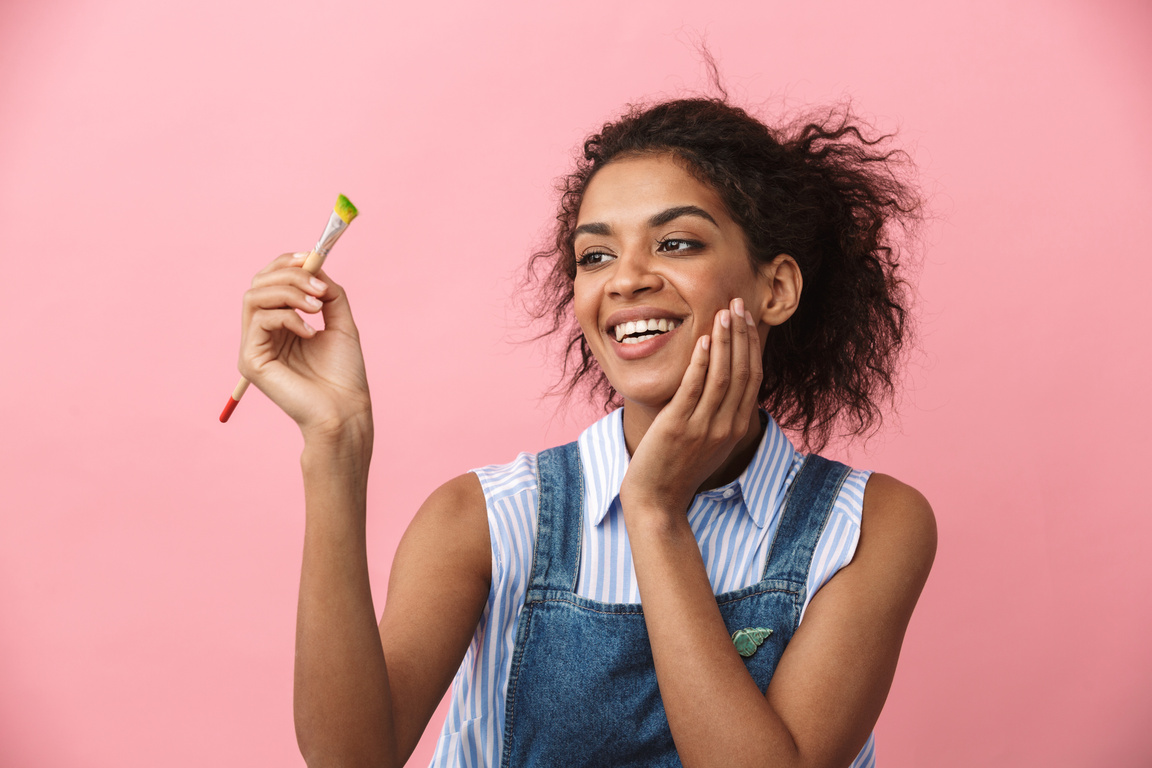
(677, 245)
(593, 258)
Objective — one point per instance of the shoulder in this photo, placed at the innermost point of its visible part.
(460, 497)
(898, 527)
(880, 532)
(451, 526)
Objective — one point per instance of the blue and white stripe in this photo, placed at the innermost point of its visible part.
(733, 525)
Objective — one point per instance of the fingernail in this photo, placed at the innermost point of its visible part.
(738, 307)
(312, 301)
(299, 256)
(309, 328)
(318, 285)
(725, 318)
(748, 317)
(705, 342)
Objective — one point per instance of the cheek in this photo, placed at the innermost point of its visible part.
(586, 308)
(742, 286)
(709, 296)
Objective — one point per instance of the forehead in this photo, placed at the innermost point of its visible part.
(635, 188)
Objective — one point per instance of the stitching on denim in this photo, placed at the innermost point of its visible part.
(843, 472)
(523, 628)
(524, 625)
(589, 608)
(783, 509)
(540, 457)
(639, 610)
(836, 473)
(769, 591)
(580, 531)
(513, 683)
(556, 458)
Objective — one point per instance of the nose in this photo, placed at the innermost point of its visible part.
(633, 274)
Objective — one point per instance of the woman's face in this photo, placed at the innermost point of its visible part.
(655, 246)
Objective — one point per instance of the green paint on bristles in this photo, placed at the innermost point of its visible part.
(345, 210)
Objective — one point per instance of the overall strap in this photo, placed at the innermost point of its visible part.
(806, 511)
(559, 519)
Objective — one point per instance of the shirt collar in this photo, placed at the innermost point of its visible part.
(605, 459)
(604, 456)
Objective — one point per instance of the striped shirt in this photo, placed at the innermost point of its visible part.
(734, 526)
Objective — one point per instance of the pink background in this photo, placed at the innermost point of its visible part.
(154, 155)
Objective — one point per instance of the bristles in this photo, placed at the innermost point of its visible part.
(345, 210)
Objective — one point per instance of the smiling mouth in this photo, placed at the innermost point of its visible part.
(642, 330)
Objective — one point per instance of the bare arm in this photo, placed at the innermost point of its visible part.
(436, 594)
(834, 676)
(341, 697)
(363, 693)
(832, 680)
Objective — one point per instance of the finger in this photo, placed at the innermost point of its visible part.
(264, 324)
(264, 340)
(291, 274)
(274, 301)
(730, 406)
(284, 260)
(280, 297)
(719, 365)
(274, 320)
(751, 397)
(687, 395)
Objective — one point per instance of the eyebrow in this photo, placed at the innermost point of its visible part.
(657, 220)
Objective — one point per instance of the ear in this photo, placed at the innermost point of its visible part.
(782, 284)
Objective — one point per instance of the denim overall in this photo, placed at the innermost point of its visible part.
(582, 689)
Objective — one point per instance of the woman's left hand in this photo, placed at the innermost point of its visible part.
(694, 435)
(830, 684)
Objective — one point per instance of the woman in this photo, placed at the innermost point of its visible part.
(635, 598)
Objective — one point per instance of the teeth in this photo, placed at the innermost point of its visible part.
(649, 329)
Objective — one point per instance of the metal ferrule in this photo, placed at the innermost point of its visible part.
(332, 232)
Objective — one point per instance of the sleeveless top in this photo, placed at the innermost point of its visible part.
(502, 688)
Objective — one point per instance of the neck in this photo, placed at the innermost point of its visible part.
(638, 420)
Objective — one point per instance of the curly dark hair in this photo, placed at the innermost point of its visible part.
(820, 190)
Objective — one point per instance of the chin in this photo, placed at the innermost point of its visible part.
(649, 389)
(648, 398)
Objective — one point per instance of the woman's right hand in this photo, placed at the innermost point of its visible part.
(316, 377)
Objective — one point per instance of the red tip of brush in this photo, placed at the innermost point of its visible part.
(232, 403)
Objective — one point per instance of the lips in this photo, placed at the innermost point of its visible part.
(640, 331)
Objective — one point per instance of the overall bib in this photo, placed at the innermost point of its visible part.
(582, 689)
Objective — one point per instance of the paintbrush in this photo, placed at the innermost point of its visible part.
(342, 215)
